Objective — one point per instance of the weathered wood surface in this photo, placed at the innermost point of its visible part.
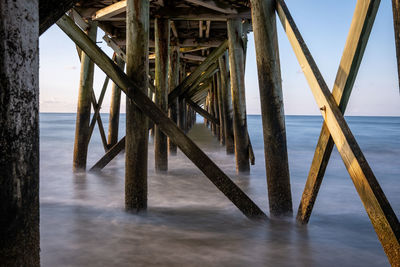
(173, 81)
(396, 24)
(227, 106)
(115, 106)
(202, 112)
(236, 63)
(137, 69)
(162, 40)
(220, 110)
(360, 29)
(110, 155)
(182, 115)
(184, 85)
(187, 146)
(19, 133)
(84, 106)
(272, 110)
(216, 107)
(377, 206)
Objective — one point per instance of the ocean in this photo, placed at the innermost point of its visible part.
(190, 223)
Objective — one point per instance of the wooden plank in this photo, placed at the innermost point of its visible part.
(114, 46)
(360, 29)
(236, 63)
(182, 87)
(272, 109)
(396, 24)
(162, 40)
(110, 11)
(187, 146)
(193, 57)
(214, 5)
(377, 206)
(110, 155)
(202, 112)
(79, 20)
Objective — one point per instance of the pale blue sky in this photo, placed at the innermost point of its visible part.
(324, 26)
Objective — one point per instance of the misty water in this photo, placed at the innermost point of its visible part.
(190, 223)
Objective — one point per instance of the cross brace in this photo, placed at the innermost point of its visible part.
(141, 100)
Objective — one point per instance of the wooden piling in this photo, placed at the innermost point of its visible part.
(217, 130)
(236, 63)
(220, 111)
(173, 81)
(113, 124)
(396, 24)
(226, 100)
(136, 143)
(84, 106)
(19, 133)
(162, 39)
(273, 117)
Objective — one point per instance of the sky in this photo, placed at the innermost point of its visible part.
(324, 26)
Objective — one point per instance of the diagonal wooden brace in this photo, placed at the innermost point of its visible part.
(380, 212)
(364, 17)
(188, 81)
(140, 99)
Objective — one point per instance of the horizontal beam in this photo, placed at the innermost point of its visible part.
(381, 214)
(146, 105)
(193, 57)
(214, 5)
(110, 11)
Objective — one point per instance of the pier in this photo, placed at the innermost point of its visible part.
(174, 59)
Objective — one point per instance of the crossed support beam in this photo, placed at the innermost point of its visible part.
(377, 206)
(141, 100)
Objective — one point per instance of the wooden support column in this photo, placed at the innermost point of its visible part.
(84, 105)
(220, 111)
(113, 124)
(182, 115)
(137, 69)
(396, 24)
(227, 104)
(162, 39)
(211, 107)
(173, 81)
(236, 63)
(19, 133)
(273, 117)
(216, 107)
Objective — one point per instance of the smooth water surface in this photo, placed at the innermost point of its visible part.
(190, 223)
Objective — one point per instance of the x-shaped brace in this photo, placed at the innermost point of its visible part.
(377, 206)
